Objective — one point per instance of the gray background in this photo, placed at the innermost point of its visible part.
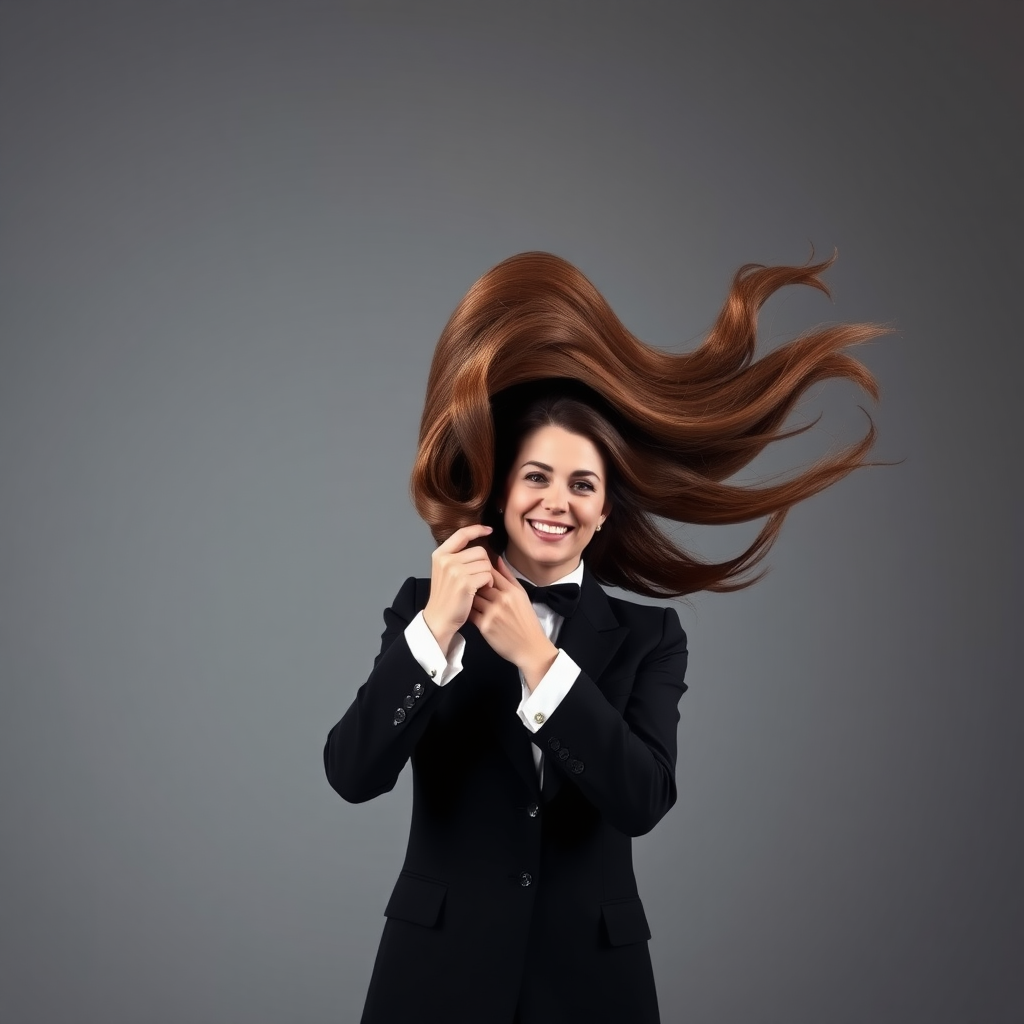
(231, 234)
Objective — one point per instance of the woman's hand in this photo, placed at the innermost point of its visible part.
(506, 620)
(458, 569)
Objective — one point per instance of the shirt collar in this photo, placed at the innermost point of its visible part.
(576, 576)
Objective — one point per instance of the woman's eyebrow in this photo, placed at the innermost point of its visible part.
(548, 469)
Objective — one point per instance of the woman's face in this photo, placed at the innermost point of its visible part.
(555, 498)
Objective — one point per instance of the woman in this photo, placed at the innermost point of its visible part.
(541, 722)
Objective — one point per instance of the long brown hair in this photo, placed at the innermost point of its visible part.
(671, 426)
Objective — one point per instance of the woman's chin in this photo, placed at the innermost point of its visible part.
(544, 555)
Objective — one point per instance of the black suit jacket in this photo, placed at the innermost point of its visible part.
(511, 895)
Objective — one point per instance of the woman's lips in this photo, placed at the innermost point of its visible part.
(551, 538)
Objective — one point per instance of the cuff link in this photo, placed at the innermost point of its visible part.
(433, 673)
(539, 718)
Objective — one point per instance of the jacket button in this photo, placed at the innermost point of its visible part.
(399, 716)
(532, 810)
(525, 879)
(417, 690)
(563, 753)
(554, 743)
(575, 767)
(409, 700)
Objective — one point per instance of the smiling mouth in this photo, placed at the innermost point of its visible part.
(547, 530)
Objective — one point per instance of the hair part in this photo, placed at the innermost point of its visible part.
(533, 342)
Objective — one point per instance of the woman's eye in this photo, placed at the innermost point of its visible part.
(540, 478)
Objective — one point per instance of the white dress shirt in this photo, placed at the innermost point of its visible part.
(535, 707)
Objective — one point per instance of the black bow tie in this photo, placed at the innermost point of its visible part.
(561, 598)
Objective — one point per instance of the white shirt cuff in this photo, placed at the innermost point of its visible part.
(427, 651)
(535, 707)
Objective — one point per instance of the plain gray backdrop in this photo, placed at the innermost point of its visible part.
(231, 234)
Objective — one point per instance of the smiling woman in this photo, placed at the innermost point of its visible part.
(552, 510)
(539, 712)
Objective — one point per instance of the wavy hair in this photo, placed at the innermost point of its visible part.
(672, 427)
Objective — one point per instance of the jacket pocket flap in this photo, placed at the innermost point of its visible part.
(626, 921)
(417, 900)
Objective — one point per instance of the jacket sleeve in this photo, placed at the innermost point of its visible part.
(623, 762)
(367, 750)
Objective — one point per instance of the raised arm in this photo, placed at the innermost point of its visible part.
(623, 762)
(366, 751)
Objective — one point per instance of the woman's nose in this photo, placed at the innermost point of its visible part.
(555, 499)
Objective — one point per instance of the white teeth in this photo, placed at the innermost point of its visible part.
(544, 528)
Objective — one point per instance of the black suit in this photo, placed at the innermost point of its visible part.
(510, 895)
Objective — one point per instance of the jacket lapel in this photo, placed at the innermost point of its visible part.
(593, 635)
(591, 638)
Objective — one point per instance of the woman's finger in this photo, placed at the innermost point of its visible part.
(461, 537)
(500, 583)
(486, 596)
(481, 580)
(468, 555)
(507, 572)
(504, 578)
(478, 571)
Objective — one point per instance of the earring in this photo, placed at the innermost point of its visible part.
(501, 511)
(598, 527)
